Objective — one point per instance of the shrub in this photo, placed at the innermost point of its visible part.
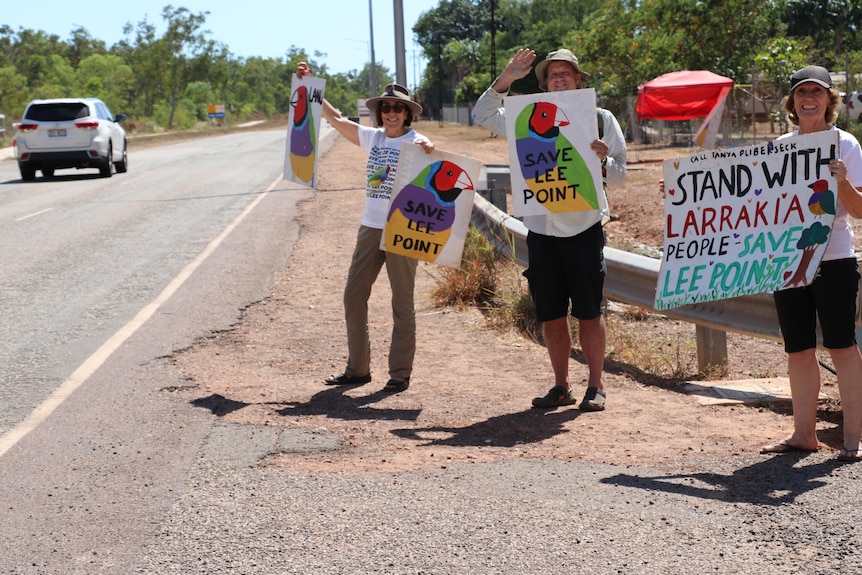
(475, 280)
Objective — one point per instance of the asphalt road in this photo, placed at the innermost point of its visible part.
(103, 472)
(100, 277)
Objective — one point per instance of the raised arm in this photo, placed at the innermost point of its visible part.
(518, 67)
(344, 126)
(488, 111)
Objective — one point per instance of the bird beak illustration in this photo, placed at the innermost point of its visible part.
(561, 119)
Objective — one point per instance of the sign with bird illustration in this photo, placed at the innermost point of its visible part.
(430, 205)
(749, 220)
(553, 168)
(303, 127)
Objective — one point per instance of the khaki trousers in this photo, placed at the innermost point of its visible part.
(368, 258)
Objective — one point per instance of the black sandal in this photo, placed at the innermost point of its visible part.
(344, 379)
(849, 455)
(397, 385)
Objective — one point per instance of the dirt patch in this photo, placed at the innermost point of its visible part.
(472, 385)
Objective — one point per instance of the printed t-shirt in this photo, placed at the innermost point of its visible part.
(380, 171)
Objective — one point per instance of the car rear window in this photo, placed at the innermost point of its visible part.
(57, 112)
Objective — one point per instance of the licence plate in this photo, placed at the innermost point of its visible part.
(59, 133)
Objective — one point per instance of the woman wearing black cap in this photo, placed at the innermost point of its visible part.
(394, 111)
(831, 297)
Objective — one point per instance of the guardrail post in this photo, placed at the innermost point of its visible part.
(711, 348)
(498, 185)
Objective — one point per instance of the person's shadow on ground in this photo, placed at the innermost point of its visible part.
(330, 402)
(777, 480)
(508, 430)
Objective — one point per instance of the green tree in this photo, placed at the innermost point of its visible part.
(167, 64)
(81, 45)
(13, 93)
(774, 65)
(115, 80)
(250, 87)
(32, 52)
(831, 25)
(452, 20)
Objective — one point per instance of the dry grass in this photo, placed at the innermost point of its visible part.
(664, 353)
(473, 282)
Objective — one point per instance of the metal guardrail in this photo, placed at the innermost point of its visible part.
(632, 279)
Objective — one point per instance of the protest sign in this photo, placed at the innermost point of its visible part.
(553, 168)
(430, 205)
(303, 128)
(746, 220)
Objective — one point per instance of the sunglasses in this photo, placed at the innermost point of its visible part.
(386, 108)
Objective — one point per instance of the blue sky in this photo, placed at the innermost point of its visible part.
(339, 28)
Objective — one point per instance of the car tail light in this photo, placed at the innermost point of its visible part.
(27, 127)
(87, 125)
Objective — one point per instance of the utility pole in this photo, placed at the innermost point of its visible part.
(374, 92)
(493, 42)
(400, 54)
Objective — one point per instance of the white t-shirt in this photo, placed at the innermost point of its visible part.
(841, 239)
(380, 171)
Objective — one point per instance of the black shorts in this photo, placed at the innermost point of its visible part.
(831, 298)
(564, 271)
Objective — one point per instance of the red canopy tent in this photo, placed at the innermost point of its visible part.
(682, 95)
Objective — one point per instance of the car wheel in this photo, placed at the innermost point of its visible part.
(107, 170)
(48, 172)
(123, 164)
(27, 173)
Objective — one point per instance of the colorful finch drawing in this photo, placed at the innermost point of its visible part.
(302, 138)
(551, 166)
(822, 201)
(425, 209)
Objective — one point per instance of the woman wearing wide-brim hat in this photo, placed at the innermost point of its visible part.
(394, 112)
(393, 95)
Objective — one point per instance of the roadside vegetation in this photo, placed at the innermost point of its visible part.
(164, 73)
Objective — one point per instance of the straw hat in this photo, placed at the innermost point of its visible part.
(399, 94)
(561, 55)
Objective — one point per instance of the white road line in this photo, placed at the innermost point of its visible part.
(22, 218)
(95, 361)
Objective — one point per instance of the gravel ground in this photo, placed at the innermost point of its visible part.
(755, 515)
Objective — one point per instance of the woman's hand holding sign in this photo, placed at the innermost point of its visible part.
(838, 169)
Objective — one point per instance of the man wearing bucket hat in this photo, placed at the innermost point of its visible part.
(394, 112)
(831, 297)
(566, 263)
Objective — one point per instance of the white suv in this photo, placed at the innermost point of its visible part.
(69, 133)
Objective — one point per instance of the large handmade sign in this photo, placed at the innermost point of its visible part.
(553, 168)
(303, 129)
(430, 205)
(747, 220)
